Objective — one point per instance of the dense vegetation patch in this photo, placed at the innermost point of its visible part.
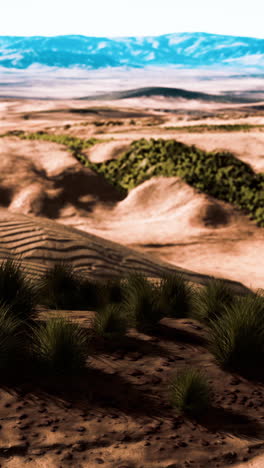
(219, 174)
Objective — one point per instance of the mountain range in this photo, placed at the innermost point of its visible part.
(168, 92)
(184, 50)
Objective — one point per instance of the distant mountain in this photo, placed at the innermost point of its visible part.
(185, 50)
(152, 91)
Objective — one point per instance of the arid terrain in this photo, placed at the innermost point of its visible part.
(53, 208)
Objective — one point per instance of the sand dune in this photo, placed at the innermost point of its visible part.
(42, 242)
(164, 217)
(172, 221)
(41, 178)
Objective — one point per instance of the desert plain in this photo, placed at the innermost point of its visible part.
(54, 207)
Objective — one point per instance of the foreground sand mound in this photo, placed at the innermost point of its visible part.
(167, 218)
(171, 196)
(165, 210)
(43, 179)
(42, 242)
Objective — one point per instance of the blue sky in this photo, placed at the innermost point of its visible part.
(131, 17)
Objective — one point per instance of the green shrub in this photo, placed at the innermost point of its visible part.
(210, 301)
(190, 392)
(110, 322)
(142, 303)
(11, 339)
(177, 294)
(17, 290)
(60, 346)
(236, 338)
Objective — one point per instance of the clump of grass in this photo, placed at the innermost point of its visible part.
(110, 322)
(190, 392)
(142, 303)
(60, 346)
(62, 287)
(59, 287)
(114, 290)
(17, 290)
(210, 301)
(236, 338)
(11, 339)
(177, 294)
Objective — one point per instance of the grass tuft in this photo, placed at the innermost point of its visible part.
(110, 322)
(236, 338)
(17, 290)
(62, 287)
(11, 339)
(59, 287)
(142, 303)
(114, 291)
(210, 301)
(60, 346)
(190, 392)
(178, 295)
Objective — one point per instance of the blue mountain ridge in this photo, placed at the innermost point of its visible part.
(185, 50)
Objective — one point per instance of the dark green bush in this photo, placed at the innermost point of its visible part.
(190, 392)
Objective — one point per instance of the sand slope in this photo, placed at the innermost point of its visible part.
(41, 242)
(162, 216)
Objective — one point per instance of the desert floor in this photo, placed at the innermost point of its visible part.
(117, 415)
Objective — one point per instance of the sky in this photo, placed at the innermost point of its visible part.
(115, 18)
